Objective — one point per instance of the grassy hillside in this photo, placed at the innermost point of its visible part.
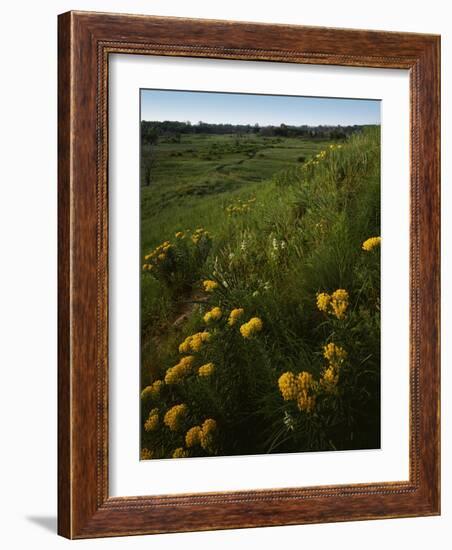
(253, 247)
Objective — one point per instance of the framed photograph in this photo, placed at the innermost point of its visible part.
(248, 275)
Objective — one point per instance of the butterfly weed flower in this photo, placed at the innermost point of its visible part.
(299, 388)
(323, 301)
(146, 454)
(193, 437)
(336, 304)
(288, 386)
(235, 315)
(213, 315)
(305, 398)
(180, 452)
(209, 285)
(371, 243)
(206, 370)
(330, 377)
(251, 328)
(194, 342)
(180, 371)
(152, 421)
(175, 416)
(334, 354)
(153, 390)
(207, 435)
(339, 302)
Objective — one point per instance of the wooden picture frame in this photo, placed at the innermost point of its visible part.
(85, 42)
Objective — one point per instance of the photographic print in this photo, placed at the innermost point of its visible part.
(259, 274)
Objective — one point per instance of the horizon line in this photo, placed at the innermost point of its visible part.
(253, 124)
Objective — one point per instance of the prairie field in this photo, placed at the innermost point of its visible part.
(260, 294)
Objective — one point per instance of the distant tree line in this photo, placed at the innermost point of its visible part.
(151, 131)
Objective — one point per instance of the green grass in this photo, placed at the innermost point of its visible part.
(301, 235)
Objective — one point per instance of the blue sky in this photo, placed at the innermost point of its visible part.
(217, 107)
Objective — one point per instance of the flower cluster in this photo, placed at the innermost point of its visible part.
(335, 355)
(213, 315)
(152, 421)
(208, 432)
(209, 286)
(323, 301)
(202, 435)
(240, 207)
(206, 370)
(180, 452)
(193, 437)
(153, 390)
(235, 315)
(336, 303)
(198, 234)
(371, 243)
(288, 386)
(194, 342)
(157, 256)
(299, 388)
(175, 416)
(180, 371)
(251, 328)
(146, 454)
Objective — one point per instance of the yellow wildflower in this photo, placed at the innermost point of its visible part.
(153, 390)
(371, 243)
(156, 387)
(335, 355)
(323, 301)
(288, 386)
(213, 315)
(235, 315)
(193, 437)
(339, 302)
(335, 304)
(175, 416)
(305, 400)
(145, 454)
(180, 371)
(209, 286)
(161, 257)
(179, 235)
(194, 342)
(298, 388)
(252, 327)
(152, 421)
(180, 452)
(207, 435)
(330, 376)
(184, 347)
(146, 392)
(206, 370)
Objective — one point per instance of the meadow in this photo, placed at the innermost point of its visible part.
(260, 294)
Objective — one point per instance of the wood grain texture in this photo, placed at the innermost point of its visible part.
(85, 42)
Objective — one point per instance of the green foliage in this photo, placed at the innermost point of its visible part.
(278, 235)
